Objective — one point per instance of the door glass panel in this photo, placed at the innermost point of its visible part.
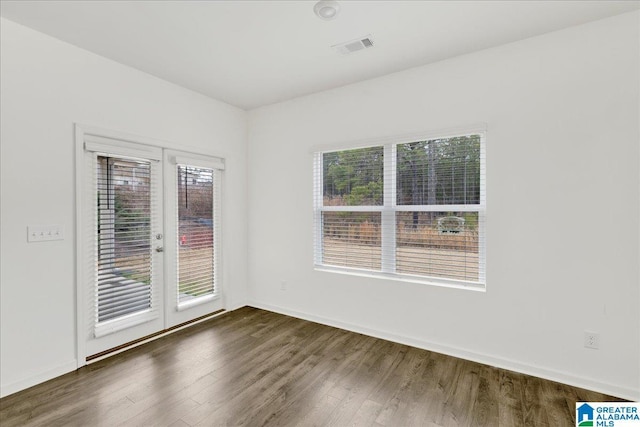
(124, 238)
(195, 233)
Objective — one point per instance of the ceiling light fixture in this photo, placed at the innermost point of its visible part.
(327, 9)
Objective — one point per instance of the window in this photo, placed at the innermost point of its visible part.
(123, 238)
(412, 210)
(195, 217)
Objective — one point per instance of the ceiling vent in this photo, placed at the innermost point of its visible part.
(354, 45)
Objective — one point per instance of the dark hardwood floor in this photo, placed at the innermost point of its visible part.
(253, 367)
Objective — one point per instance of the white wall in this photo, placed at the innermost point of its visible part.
(47, 86)
(562, 112)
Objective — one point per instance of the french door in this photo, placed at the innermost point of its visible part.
(149, 238)
(192, 224)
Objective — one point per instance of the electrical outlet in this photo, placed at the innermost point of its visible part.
(42, 233)
(283, 286)
(591, 340)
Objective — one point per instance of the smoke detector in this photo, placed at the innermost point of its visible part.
(354, 45)
(326, 9)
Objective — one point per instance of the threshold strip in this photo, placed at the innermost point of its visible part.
(136, 342)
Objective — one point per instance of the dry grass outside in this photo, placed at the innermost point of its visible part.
(423, 236)
(134, 263)
(135, 267)
(445, 263)
(363, 227)
(346, 253)
(435, 262)
(195, 270)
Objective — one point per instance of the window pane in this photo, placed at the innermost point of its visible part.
(351, 239)
(439, 172)
(353, 177)
(124, 237)
(438, 244)
(195, 232)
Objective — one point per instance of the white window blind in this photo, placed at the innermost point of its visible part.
(123, 269)
(197, 219)
(412, 210)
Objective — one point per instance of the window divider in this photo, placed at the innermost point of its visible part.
(388, 214)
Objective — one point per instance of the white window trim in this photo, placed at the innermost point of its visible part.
(389, 208)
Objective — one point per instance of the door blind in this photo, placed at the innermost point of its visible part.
(196, 219)
(124, 213)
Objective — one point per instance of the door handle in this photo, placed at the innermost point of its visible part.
(159, 249)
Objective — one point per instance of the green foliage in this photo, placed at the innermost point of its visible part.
(130, 215)
(439, 171)
(470, 221)
(433, 172)
(354, 177)
(360, 194)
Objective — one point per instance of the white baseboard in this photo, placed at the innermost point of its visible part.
(38, 378)
(512, 365)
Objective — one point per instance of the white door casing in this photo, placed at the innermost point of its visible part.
(127, 239)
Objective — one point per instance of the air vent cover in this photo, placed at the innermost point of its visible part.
(354, 45)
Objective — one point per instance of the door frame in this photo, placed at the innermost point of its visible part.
(81, 131)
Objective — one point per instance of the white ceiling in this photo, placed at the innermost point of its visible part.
(254, 53)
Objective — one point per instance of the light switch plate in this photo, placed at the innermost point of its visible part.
(43, 233)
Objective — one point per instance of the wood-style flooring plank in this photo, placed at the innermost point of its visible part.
(534, 412)
(252, 367)
(485, 409)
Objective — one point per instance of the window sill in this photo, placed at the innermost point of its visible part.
(407, 278)
(116, 325)
(197, 301)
